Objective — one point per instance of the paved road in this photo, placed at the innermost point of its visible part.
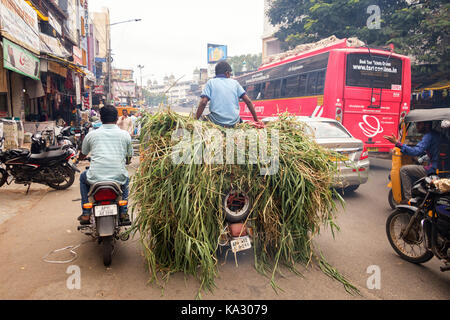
(32, 226)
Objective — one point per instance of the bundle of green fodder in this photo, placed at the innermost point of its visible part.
(178, 194)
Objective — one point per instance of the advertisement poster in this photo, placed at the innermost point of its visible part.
(19, 23)
(216, 52)
(19, 60)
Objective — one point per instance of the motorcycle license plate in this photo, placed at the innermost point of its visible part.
(104, 211)
(240, 244)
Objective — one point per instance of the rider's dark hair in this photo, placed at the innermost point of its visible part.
(223, 67)
(108, 114)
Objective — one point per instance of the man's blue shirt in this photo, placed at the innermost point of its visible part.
(223, 95)
(429, 144)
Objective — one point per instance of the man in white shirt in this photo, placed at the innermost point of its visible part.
(125, 123)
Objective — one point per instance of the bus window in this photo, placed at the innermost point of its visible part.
(312, 84)
(259, 91)
(291, 87)
(272, 90)
(302, 85)
(250, 91)
(373, 71)
(320, 82)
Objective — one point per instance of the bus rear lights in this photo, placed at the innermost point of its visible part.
(360, 170)
(338, 114)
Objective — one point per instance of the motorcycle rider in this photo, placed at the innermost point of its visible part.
(110, 149)
(429, 144)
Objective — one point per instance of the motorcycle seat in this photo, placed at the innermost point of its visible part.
(105, 184)
(53, 148)
(50, 155)
(19, 152)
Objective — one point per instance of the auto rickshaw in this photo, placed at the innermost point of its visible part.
(440, 118)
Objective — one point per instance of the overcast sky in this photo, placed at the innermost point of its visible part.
(173, 35)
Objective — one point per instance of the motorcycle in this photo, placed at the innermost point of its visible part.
(105, 200)
(75, 135)
(421, 230)
(237, 232)
(45, 165)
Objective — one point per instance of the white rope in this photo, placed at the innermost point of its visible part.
(71, 250)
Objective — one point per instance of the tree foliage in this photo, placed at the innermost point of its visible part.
(252, 62)
(418, 28)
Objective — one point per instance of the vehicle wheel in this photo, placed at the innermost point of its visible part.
(236, 206)
(410, 247)
(392, 201)
(68, 178)
(108, 246)
(3, 177)
(351, 189)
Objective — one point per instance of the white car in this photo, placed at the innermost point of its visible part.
(354, 161)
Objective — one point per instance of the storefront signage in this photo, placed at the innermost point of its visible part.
(98, 89)
(20, 60)
(54, 23)
(19, 23)
(57, 69)
(77, 56)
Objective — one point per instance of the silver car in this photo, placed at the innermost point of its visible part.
(353, 163)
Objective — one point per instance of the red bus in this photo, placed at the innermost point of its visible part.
(367, 90)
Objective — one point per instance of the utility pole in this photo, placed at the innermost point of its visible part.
(108, 30)
(142, 93)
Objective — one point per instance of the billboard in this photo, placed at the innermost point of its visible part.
(216, 52)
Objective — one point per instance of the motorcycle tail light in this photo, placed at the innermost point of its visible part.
(105, 194)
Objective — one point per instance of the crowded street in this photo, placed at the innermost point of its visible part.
(45, 220)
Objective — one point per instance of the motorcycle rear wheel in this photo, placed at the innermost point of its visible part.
(108, 246)
(69, 179)
(412, 246)
(3, 176)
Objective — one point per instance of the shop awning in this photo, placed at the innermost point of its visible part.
(440, 85)
(53, 46)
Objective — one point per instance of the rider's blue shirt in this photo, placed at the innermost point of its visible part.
(223, 95)
(429, 144)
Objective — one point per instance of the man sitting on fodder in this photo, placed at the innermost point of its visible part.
(223, 94)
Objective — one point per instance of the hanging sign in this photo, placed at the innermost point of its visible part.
(20, 60)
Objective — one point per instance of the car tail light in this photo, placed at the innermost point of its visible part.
(364, 154)
(105, 194)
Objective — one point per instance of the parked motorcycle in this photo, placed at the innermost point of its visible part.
(421, 230)
(75, 135)
(45, 165)
(105, 200)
